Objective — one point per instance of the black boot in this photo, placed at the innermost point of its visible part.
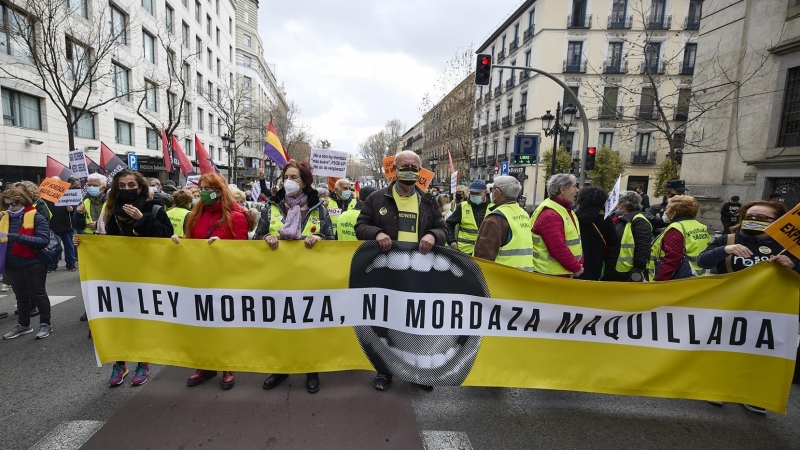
(312, 383)
(274, 380)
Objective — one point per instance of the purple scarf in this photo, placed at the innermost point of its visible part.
(290, 231)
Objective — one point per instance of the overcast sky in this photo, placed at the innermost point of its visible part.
(352, 65)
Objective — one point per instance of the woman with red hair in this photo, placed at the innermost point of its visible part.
(295, 212)
(216, 216)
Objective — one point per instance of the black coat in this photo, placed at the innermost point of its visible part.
(380, 215)
(61, 220)
(598, 239)
(149, 225)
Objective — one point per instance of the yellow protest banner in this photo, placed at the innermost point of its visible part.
(786, 231)
(52, 189)
(439, 319)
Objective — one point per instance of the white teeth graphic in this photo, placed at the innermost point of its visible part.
(403, 260)
(434, 361)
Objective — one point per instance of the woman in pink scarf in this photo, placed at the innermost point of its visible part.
(295, 212)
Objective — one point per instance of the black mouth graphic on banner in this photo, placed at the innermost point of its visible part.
(421, 359)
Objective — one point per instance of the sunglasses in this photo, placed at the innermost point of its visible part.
(12, 204)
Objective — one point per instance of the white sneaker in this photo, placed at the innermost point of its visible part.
(755, 409)
(4, 287)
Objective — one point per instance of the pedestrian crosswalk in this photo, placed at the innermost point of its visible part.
(68, 435)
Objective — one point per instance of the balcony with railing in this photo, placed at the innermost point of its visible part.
(524, 76)
(615, 66)
(498, 90)
(478, 101)
(501, 56)
(527, 34)
(658, 22)
(681, 113)
(579, 21)
(520, 116)
(574, 66)
(647, 112)
(476, 132)
(620, 22)
(506, 122)
(691, 23)
(687, 68)
(610, 112)
(653, 68)
(494, 126)
(643, 159)
(484, 130)
(488, 96)
(513, 45)
(510, 83)
(491, 160)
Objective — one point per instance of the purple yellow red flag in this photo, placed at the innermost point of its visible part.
(273, 148)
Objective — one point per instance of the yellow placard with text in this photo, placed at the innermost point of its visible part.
(786, 231)
(52, 189)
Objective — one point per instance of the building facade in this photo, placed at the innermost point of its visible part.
(413, 139)
(630, 62)
(749, 146)
(168, 62)
(259, 97)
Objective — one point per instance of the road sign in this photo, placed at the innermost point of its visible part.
(496, 168)
(526, 148)
(133, 161)
(504, 168)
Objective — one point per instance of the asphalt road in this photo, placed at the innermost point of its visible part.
(53, 387)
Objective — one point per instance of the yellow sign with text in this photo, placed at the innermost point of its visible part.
(439, 319)
(786, 231)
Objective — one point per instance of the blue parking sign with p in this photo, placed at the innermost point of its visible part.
(526, 148)
(504, 168)
(133, 161)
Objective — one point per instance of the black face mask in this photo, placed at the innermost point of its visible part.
(752, 232)
(128, 195)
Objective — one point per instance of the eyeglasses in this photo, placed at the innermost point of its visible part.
(12, 204)
(760, 217)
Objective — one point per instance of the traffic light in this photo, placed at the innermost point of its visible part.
(483, 70)
(591, 152)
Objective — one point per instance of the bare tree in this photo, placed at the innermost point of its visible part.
(65, 51)
(667, 92)
(292, 131)
(378, 146)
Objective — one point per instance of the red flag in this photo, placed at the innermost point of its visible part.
(186, 163)
(203, 160)
(450, 157)
(165, 150)
(94, 167)
(56, 169)
(357, 188)
(110, 162)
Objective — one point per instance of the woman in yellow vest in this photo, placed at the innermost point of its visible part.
(674, 252)
(90, 212)
(346, 230)
(177, 214)
(635, 237)
(298, 214)
(556, 237)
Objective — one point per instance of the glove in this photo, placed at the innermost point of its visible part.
(637, 276)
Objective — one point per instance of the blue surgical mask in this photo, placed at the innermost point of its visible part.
(16, 213)
(618, 212)
(93, 191)
(345, 195)
(153, 189)
(195, 200)
(476, 199)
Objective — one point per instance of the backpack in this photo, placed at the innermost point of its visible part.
(49, 255)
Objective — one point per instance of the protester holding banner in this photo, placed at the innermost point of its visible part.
(556, 237)
(341, 200)
(177, 215)
(89, 214)
(132, 210)
(23, 232)
(296, 212)
(505, 236)
(598, 235)
(61, 225)
(635, 236)
(401, 212)
(468, 217)
(346, 230)
(674, 252)
(219, 217)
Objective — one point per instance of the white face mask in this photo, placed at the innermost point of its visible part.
(292, 187)
(447, 207)
(665, 217)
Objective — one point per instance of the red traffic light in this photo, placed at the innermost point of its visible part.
(486, 60)
(592, 150)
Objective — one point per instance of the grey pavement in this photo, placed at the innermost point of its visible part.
(55, 397)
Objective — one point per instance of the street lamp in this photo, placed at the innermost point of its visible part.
(433, 162)
(551, 129)
(230, 142)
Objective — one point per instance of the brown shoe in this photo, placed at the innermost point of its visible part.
(200, 376)
(228, 380)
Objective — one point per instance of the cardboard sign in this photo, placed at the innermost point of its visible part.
(786, 231)
(388, 162)
(425, 178)
(77, 162)
(328, 163)
(613, 198)
(72, 197)
(453, 182)
(52, 189)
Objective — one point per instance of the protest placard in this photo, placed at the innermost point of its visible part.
(613, 198)
(52, 189)
(328, 163)
(72, 197)
(786, 231)
(77, 162)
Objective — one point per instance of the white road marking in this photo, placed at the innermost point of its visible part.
(68, 435)
(445, 440)
(56, 299)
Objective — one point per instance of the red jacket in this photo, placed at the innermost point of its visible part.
(674, 249)
(551, 228)
(211, 215)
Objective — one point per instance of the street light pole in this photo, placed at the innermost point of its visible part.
(557, 129)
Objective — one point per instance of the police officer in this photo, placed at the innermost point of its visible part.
(342, 200)
(504, 236)
(468, 217)
(655, 214)
(346, 230)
